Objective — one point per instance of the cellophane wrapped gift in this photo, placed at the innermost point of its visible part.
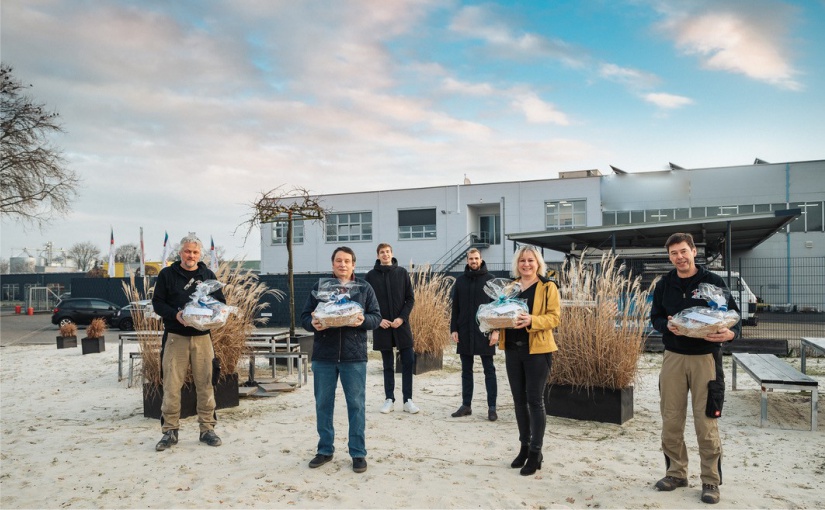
(336, 308)
(203, 312)
(701, 321)
(506, 307)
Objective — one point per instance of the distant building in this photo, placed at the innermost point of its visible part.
(436, 225)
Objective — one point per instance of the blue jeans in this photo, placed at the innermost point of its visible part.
(467, 379)
(407, 361)
(354, 383)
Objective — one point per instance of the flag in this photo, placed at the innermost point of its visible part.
(213, 257)
(142, 255)
(112, 255)
(165, 250)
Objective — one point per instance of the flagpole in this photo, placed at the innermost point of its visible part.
(112, 253)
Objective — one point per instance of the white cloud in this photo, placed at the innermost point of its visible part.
(632, 78)
(667, 101)
(740, 37)
(538, 111)
(490, 24)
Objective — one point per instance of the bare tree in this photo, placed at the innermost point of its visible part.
(277, 205)
(127, 253)
(37, 186)
(4, 266)
(84, 254)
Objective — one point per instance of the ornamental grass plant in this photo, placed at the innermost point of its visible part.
(68, 330)
(96, 329)
(430, 317)
(603, 317)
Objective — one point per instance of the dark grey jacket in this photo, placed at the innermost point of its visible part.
(394, 292)
(345, 343)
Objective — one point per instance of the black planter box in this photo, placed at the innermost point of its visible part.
(598, 404)
(226, 395)
(64, 342)
(424, 362)
(93, 345)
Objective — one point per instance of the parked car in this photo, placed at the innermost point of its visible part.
(82, 310)
(123, 318)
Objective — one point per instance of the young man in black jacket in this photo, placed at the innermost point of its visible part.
(468, 294)
(341, 352)
(689, 365)
(394, 291)
(183, 345)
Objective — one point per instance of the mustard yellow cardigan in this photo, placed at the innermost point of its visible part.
(546, 315)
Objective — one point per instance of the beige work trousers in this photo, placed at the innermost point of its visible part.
(682, 374)
(179, 352)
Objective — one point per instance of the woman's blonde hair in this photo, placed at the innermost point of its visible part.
(542, 271)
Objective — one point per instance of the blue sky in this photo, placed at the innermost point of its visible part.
(178, 114)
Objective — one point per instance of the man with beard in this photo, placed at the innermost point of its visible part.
(468, 295)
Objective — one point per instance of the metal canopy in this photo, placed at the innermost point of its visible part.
(746, 231)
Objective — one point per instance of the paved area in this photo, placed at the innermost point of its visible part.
(25, 329)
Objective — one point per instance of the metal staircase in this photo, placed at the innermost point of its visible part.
(457, 253)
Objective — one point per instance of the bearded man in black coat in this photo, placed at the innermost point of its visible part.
(468, 295)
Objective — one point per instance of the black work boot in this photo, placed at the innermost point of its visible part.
(170, 437)
(521, 458)
(209, 437)
(533, 463)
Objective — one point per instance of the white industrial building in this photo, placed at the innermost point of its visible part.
(435, 225)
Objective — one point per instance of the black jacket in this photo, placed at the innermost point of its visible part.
(468, 294)
(174, 289)
(672, 295)
(345, 343)
(394, 292)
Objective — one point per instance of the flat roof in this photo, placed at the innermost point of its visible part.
(747, 232)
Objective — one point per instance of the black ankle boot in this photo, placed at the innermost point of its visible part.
(522, 457)
(533, 463)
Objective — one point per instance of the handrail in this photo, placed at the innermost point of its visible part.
(465, 242)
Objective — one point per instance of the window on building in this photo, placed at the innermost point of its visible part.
(811, 218)
(416, 224)
(279, 228)
(682, 214)
(608, 218)
(489, 228)
(622, 217)
(352, 226)
(564, 214)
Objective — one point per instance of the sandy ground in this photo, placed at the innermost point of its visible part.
(75, 437)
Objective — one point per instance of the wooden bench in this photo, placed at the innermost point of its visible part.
(772, 373)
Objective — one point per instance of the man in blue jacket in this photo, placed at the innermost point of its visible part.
(689, 365)
(342, 352)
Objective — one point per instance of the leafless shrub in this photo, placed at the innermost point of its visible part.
(96, 329)
(603, 317)
(68, 329)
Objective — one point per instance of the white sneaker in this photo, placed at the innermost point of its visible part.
(410, 407)
(387, 407)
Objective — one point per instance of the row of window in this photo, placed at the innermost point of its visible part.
(357, 226)
(558, 215)
(811, 220)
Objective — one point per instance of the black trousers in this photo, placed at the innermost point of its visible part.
(527, 374)
(490, 381)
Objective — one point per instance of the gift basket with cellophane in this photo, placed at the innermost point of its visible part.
(701, 321)
(204, 312)
(506, 307)
(336, 307)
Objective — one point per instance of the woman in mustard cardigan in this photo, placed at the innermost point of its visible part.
(528, 352)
